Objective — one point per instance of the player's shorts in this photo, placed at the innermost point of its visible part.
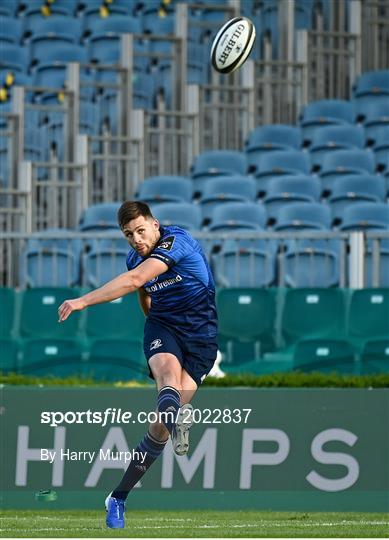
(195, 356)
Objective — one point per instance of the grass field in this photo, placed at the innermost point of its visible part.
(194, 524)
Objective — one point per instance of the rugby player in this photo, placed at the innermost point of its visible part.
(177, 294)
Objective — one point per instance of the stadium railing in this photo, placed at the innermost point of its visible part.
(357, 259)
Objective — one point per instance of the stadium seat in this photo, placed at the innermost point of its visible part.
(376, 115)
(226, 189)
(288, 189)
(50, 34)
(8, 307)
(368, 315)
(159, 189)
(313, 313)
(100, 217)
(238, 266)
(104, 261)
(92, 16)
(121, 319)
(218, 162)
(246, 323)
(273, 137)
(10, 29)
(305, 215)
(52, 262)
(185, 215)
(325, 112)
(330, 138)
(52, 357)
(39, 313)
(118, 359)
(324, 355)
(372, 84)
(375, 357)
(278, 162)
(353, 189)
(238, 215)
(311, 266)
(380, 147)
(344, 162)
(13, 57)
(9, 354)
(8, 8)
(364, 216)
(377, 273)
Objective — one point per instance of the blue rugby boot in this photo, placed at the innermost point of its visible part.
(115, 512)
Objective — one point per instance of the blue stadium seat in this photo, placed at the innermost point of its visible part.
(376, 115)
(238, 266)
(106, 49)
(238, 215)
(160, 189)
(266, 166)
(311, 266)
(8, 8)
(51, 262)
(273, 137)
(324, 112)
(290, 189)
(365, 216)
(10, 30)
(372, 84)
(226, 189)
(353, 189)
(52, 32)
(100, 217)
(13, 57)
(92, 16)
(218, 162)
(185, 215)
(299, 216)
(105, 260)
(345, 162)
(377, 269)
(331, 138)
(380, 147)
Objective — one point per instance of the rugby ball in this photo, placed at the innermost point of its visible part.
(232, 44)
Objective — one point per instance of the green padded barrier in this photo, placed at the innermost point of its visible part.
(39, 313)
(8, 355)
(375, 357)
(369, 314)
(325, 355)
(258, 367)
(7, 311)
(121, 318)
(116, 359)
(313, 313)
(56, 357)
(246, 323)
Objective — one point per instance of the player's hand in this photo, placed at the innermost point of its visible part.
(67, 308)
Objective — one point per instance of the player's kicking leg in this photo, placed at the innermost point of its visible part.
(175, 388)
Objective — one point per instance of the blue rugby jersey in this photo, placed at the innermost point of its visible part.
(183, 297)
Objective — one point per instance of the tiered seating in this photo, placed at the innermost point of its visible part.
(261, 330)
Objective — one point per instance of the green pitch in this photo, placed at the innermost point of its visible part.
(192, 524)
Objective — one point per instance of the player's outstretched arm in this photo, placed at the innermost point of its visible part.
(116, 288)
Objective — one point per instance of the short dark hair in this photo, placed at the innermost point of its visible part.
(130, 210)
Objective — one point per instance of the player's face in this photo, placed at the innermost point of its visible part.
(142, 233)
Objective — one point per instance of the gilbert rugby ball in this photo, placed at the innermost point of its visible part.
(232, 44)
